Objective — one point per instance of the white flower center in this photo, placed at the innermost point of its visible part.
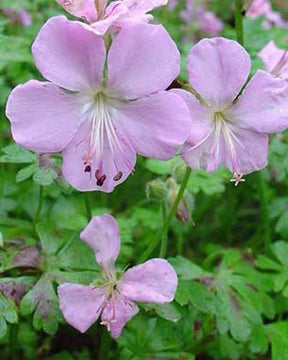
(102, 138)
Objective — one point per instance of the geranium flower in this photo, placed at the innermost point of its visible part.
(102, 17)
(113, 296)
(18, 16)
(206, 21)
(275, 60)
(100, 118)
(264, 8)
(230, 128)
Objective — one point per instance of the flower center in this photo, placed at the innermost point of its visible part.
(102, 138)
(222, 129)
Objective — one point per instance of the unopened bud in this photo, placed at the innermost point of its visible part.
(156, 190)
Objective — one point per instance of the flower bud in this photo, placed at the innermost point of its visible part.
(156, 190)
(186, 205)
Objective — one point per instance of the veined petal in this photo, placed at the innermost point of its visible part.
(154, 281)
(275, 60)
(112, 159)
(81, 305)
(144, 6)
(102, 235)
(239, 149)
(80, 8)
(69, 54)
(263, 107)
(44, 117)
(117, 312)
(200, 117)
(218, 68)
(143, 59)
(156, 125)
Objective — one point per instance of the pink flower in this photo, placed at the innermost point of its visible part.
(18, 16)
(275, 60)
(113, 296)
(206, 21)
(230, 128)
(100, 117)
(117, 14)
(263, 7)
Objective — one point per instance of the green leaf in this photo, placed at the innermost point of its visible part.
(278, 334)
(25, 173)
(15, 154)
(42, 300)
(160, 167)
(186, 269)
(45, 176)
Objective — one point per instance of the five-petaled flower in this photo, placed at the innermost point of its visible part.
(100, 116)
(113, 296)
(230, 128)
(275, 60)
(115, 16)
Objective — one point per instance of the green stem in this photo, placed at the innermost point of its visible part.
(40, 204)
(105, 346)
(164, 239)
(154, 242)
(13, 343)
(265, 220)
(88, 207)
(239, 21)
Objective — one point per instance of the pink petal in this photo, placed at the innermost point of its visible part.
(102, 235)
(81, 305)
(264, 104)
(242, 151)
(154, 281)
(156, 125)
(119, 160)
(144, 6)
(275, 60)
(69, 54)
(200, 118)
(44, 117)
(80, 8)
(218, 68)
(143, 59)
(117, 313)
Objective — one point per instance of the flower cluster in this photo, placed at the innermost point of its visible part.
(106, 99)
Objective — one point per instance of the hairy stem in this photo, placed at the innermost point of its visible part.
(40, 204)
(239, 21)
(164, 239)
(154, 242)
(88, 206)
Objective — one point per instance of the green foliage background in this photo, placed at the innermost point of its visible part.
(231, 257)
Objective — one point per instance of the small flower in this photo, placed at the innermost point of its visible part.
(263, 7)
(18, 16)
(230, 128)
(275, 60)
(206, 21)
(103, 17)
(100, 119)
(113, 297)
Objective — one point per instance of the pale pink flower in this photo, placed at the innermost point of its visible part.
(230, 128)
(264, 8)
(115, 15)
(18, 16)
(275, 60)
(114, 294)
(100, 119)
(205, 20)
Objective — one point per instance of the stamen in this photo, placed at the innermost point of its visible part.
(87, 169)
(101, 180)
(237, 179)
(118, 176)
